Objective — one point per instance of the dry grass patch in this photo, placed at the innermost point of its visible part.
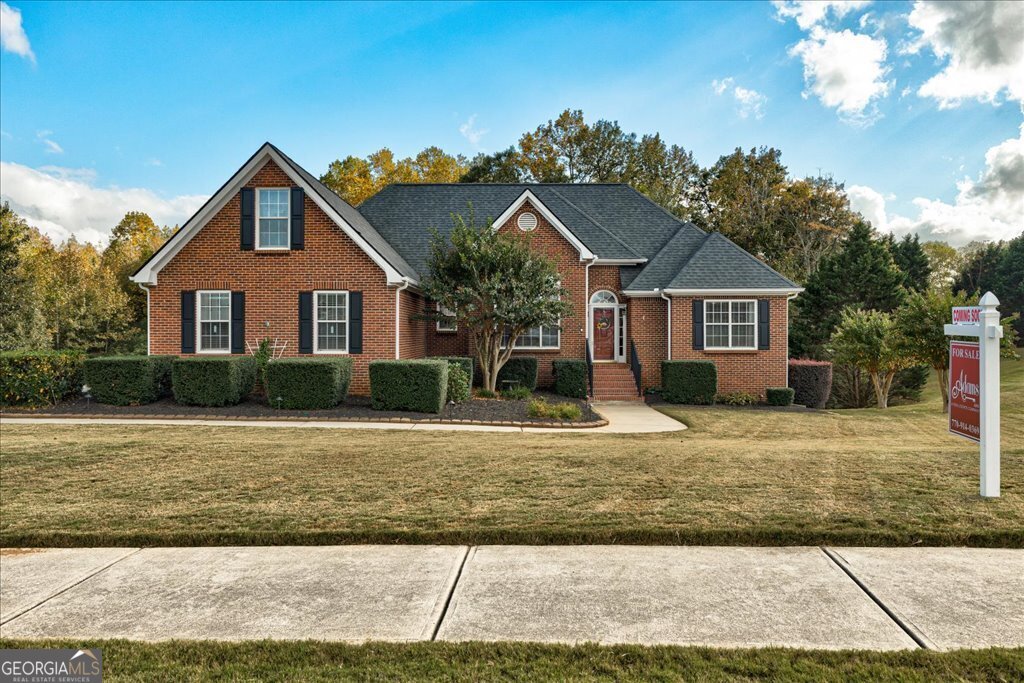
(890, 477)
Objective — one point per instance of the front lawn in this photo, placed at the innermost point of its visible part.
(309, 661)
(738, 476)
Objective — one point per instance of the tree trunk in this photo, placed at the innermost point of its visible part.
(881, 394)
(943, 374)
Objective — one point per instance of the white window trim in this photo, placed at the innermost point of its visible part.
(516, 346)
(199, 322)
(730, 323)
(316, 323)
(437, 325)
(288, 217)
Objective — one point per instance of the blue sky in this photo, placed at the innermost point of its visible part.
(106, 105)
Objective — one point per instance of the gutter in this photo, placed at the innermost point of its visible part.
(146, 289)
(398, 316)
(668, 336)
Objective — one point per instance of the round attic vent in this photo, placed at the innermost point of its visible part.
(526, 221)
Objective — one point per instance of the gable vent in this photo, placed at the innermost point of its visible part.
(526, 221)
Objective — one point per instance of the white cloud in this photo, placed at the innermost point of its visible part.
(154, 162)
(809, 13)
(51, 147)
(845, 71)
(982, 44)
(990, 207)
(748, 102)
(65, 202)
(471, 132)
(12, 34)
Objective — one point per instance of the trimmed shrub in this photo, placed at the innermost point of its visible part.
(520, 370)
(308, 383)
(459, 385)
(516, 394)
(416, 385)
(779, 396)
(128, 380)
(736, 398)
(465, 362)
(811, 382)
(567, 412)
(689, 381)
(213, 381)
(570, 378)
(486, 393)
(38, 378)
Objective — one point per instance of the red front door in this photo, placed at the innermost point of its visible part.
(604, 333)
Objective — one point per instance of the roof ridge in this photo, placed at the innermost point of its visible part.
(596, 224)
(457, 184)
(665, 211)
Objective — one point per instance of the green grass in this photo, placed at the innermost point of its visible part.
(313, 661)
(738, 476)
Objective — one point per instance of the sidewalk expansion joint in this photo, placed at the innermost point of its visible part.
(908, 628)
(451, 592)
(69, 587)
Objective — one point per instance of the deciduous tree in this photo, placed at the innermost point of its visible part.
(871, 341)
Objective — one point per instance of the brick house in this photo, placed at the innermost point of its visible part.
(275, 254)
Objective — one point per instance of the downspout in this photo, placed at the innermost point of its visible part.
(586, 301)
(398, 317)
(668, 300)
(146, 289)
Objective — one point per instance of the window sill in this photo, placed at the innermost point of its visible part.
(731, 351)
(272, 252)
(545, 349)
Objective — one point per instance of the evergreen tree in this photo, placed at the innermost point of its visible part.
(861, 274)
(912, 260)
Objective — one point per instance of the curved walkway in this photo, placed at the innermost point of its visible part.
(623, 418)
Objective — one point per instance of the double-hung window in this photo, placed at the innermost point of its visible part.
(730, 324)
(214, 322)
(542, 337)
(330, 322)
(272, 218)
(446, 320)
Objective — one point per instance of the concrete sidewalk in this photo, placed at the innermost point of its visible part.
(864, 598)
(623, 418)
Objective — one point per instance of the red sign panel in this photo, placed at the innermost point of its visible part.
(967, 315)
(965, 390)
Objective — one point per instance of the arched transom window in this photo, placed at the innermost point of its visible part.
(604, 297)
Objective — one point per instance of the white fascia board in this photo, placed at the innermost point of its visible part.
(715, 292)
(149, 274)
(619, 261)
(585, 253)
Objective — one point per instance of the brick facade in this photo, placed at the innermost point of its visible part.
(271, 280)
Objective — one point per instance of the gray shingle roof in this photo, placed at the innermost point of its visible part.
(614, 221)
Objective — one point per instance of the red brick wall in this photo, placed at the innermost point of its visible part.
(647, 326)
(750, 371)
(213, 259)
(412, 328)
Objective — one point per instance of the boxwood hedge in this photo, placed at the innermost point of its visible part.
(415, 385)
(689, 381)
(213, 381)
(779, 396)
(37, 378)
(308, 383)
(128, 380)
(570, 378)
(811, 381)
(518, 371)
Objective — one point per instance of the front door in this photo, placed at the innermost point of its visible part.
(604, 333)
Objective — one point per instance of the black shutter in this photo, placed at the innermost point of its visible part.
(305, 322)
(237, 322)
(698, 324)
(188, 322)
(248, 218)
(764, 324)
(298, 218)
(355, 322)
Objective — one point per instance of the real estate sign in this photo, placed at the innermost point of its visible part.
(967, 315)
(965, 389)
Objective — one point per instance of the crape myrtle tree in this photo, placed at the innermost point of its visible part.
(496, 286)
(871, 341)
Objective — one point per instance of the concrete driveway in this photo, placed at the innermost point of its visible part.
(861, 598)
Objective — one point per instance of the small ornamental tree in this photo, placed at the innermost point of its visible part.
(497, 287)
(871, 341)
(922, 336)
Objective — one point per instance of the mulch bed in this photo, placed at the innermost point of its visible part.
(356, 408)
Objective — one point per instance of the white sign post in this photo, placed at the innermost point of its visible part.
(982, 321)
